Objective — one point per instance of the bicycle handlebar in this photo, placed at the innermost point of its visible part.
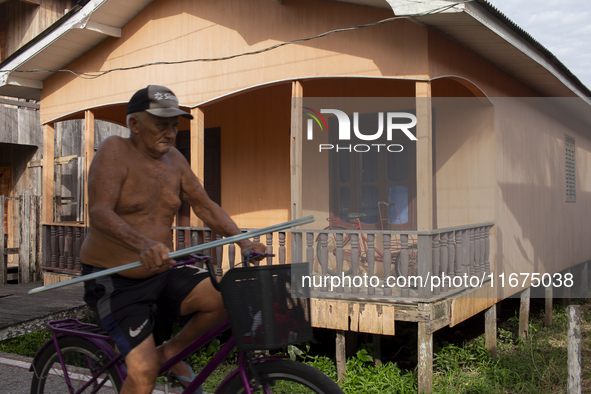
(203, 258)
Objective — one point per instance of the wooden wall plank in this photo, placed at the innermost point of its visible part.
(353, 316)
(88, 155)
(25, 238)
(478, 300)
(297, 94)
(424, 157)
(2, 257)
(48, 171)
(28, 20)
(197, 150)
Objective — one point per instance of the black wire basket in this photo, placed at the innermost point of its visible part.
(267, 305)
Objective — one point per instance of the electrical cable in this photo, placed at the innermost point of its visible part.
(97, 74)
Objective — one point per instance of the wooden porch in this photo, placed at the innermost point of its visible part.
(360, 305)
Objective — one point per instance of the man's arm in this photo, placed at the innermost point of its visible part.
(106, 177)
(207, 210)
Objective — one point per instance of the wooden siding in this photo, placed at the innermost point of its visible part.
(536, 229)
(207, 29)
(448, 58)
(28, 20)
(255, 154)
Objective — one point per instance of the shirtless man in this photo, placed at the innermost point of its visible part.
(135, 188)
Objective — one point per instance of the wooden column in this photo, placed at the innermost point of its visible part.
(548, 305)
(88, 156)
(197, 153)
(490, 330)
(424, 157)
(377, 349)
(25, 238)
(425, 269)
(566, 290)
(424, 182)
(524, 313)
(425, 354)
(573, 315)
(341, 355)
(3, 270)
(47, 181)
(297, 94)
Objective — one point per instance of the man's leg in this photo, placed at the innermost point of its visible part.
(142, 368)
(206, 302)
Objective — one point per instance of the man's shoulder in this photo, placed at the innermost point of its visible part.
(114, 142)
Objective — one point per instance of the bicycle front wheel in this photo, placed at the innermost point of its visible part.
(285, 377)
(83, 360)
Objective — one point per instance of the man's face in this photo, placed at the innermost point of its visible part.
(155, 136)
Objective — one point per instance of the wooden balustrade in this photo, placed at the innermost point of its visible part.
(392, 256)
(342, 259)
(62, 243)
(61, 246)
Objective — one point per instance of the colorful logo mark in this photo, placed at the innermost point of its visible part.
(317, 117)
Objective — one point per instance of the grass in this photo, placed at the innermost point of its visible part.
(536, 364)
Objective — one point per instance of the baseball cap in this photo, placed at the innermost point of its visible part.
(156, 100)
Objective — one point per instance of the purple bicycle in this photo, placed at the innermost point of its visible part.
(267, 310)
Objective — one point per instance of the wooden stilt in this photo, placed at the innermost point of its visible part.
(341, 355)
(524, 313)
(548, 305)
(490, 330)
(377, 349)
(573, 314)
(566, 293)
(425, 353)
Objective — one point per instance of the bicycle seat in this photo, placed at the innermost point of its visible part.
(355, 215)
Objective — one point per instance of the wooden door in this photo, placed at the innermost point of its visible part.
(212, 168)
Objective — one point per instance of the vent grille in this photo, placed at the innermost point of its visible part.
(569, 165)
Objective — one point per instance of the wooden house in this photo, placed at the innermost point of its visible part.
(496, 181)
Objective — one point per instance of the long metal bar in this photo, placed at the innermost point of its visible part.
(181, 253)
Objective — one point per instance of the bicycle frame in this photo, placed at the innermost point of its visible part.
(60, 328)
(363, 244)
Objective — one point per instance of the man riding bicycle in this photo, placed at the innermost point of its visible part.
(135, 188)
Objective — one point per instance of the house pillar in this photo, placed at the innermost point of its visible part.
(297, 92)
(88, 156)
(549, 298)
(197, 148)
(424, 158)
(524, 313)
(490, 330)
(296, 133)
(48, 171)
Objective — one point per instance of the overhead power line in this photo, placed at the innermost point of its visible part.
(97, 74)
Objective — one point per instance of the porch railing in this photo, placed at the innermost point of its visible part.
(62, 242)
(407, 264)
(389, 263)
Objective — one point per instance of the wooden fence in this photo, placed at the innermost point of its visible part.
(26, 234)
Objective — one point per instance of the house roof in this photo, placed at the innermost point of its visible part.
(476, 25)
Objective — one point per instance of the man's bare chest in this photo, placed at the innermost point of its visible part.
(149, 189)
